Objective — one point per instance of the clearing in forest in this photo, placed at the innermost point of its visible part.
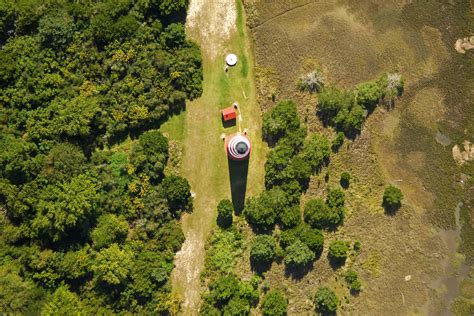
(219, 28)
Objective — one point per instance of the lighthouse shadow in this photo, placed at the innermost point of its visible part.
(238, 171)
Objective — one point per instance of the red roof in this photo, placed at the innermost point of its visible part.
(229, 113)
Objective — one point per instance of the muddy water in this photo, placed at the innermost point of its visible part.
(454, 271)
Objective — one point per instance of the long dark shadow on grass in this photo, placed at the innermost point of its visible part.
(238, 171)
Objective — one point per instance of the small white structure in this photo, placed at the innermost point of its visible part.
(231, 60)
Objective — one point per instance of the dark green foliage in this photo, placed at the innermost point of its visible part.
(290, 217)
(56, 30)
(262, 211)
(298, 255)
(392, 198)
(274, 303)
(178, 193)
(352, 279)
(369, 94)
(279, 121)
(110, 229)
(319, 215)
(150, 154)
(237, 306)
(326, 300)
(345, 180)
(338, 251)
(316, 151)
(76, 79)
(313, 238)
(335, 198)
(338, 141)
(225, 210)
(263, 249)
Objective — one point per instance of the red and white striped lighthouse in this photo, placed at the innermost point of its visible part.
(238, 147)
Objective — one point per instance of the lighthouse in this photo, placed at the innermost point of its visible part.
(238, 147)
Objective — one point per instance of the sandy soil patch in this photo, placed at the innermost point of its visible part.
(213, 21)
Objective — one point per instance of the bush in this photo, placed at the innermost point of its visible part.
(345, 179)
(298, 255)
(352, 279)
(326, 300)
(318, 215)
(261, 211)
(338, 141)
(237, 306)
(392, 198)
(224, 288)
(178, 193)
(274, 303)
(369, 94)
(316, 151)
(263, 249)
(338, 251)
(335, 198)
(313, 238)
(290, 217)
(225, 210)
(280, 120)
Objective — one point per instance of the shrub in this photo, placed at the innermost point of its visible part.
(261, 211)
(317, 214)
(313, 238)
(263, 249)
(345, 179)
(338, 141)
(392, 198)
(224, 288)
(338, 251)
(290, 216)
(150, 155)
(326, 300)
(225, 210)
(274, 303)
(237, 306)
(335, 198)
(288, 237)
(178, 192)
(312, 82)
(280, 120)
(369, 94)
(316, 150)
(352, 279)
(298, 255)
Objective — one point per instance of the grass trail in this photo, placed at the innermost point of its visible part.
(204, 162)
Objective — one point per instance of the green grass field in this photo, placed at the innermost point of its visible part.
(204, 160)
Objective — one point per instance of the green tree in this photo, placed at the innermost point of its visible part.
(261, 211)
(335, 198)
(326, 300)
(338, 141)
(63, 302)
(112, 265)
(319, 215)
(64, 207)
(338, 251)
(263, 249)
(290, 216)
(392, 198)
(56, 30)
(369, 94)
(274, 303)
(282, 119)
(178, 193)
(225, 210)
(237, 306)
(110, 229)
(352, 279)
(316, 150)
(313, 238)
(298, 255)
(224, 288)
(150, 154)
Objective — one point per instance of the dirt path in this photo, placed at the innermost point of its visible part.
(217, 26)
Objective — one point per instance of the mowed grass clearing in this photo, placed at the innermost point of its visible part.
(204, 161)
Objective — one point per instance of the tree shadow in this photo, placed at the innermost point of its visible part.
(260, 267)
(336, 263)
(238, 172)
(391, 209)
(298, 272)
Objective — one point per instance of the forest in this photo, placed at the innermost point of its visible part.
(88, 218)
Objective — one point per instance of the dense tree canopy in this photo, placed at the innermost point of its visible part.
(326, 300)
(263, 249)
(274, 304)
(279, 121)
(90, 217)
